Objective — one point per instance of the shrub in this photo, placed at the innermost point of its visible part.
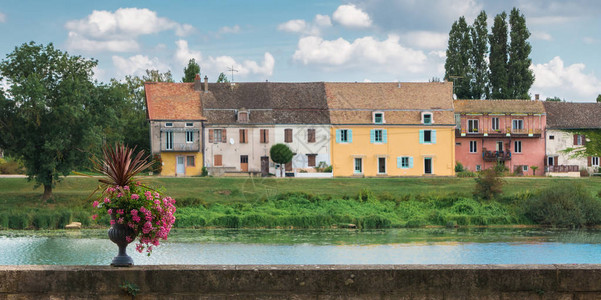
(564, 205)
(204, 172)
(4, 220)
(584, 173)
(365, 195)
(18, 221)
(500, 169)
(227, 221)
(9, 165)
(157, 164)
(466, 173)
(375, 222)
(459, 167)
(489, 184)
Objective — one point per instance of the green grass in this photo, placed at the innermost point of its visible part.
(306, 203)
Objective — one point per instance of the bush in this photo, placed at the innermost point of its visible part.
(4, 220)
(11, 166)
(466, 173)
(18, 220)
(459, 167)
(501, 169)
(489, 184)
(204, 172)
(365, 195)
(157, 164)
(564, 205)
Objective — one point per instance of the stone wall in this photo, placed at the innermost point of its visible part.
(304, 282)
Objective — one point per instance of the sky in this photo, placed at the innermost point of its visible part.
(304, 41)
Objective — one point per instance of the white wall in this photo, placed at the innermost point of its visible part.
(561, 141)
(302, 147)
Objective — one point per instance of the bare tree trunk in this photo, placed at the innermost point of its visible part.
(47, 192)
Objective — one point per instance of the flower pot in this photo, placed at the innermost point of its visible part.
(118, 234)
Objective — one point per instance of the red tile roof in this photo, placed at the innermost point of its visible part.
(173, 101)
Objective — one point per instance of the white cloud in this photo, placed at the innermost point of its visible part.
(297, 26)
(350, 16)
(540, 35)
(137, 65)
(589, 40)
(323, 20)
(301, 26)
(2, 17)
(216, 65)
(570, 82)
(117, 31)
(361, 54)
(227, 29)
(426, 39)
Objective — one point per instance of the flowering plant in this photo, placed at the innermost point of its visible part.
(147, 213)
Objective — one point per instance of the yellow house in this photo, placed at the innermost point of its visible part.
(176, 123)
(392, 129)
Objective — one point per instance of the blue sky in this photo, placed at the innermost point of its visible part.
(282, 40)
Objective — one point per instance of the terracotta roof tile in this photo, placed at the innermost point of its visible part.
(569, 115)
(499, 106)
(172, 101)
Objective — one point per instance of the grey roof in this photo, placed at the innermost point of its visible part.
(570, 115)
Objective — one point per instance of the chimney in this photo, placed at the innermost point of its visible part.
(536, 97)
(206, 83)
(197, 86)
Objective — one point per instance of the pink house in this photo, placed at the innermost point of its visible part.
(508, 132)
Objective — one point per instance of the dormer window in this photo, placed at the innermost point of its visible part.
(378, 118)
(168, 124)
(242, 117)
(427, 118)
(189, 124)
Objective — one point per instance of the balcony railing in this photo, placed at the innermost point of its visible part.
(182, 147)
(562, 169)
(495, 155)
(507, 132)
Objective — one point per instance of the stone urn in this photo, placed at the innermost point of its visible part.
(117, 234)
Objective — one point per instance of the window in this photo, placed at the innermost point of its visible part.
(169, 124)
(189, 124)
(517, 146)
(190, 161)
(310, 135)
(472, 126)
(243, 117)
(404, 162)
(377, 136)
(427, 136)
(381, 165)
(478, 168)
(243, 136)
(189, 136)
(264, 136)
(473, 146)
(495, 124)
(525, 168)
(551, 137)
(379, 118)
(595, 161)
(427, 118)
(517, 124)
(579, 139)
(311, 160)
(169, 140)
(344, 136)
(217, 135)
(551, 161)
(217, 161)
(358, 165)
(287, 135)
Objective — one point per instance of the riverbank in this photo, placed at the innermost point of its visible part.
(295, 203)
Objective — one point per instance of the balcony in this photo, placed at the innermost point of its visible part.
(495, 155)
(182, 147)
(507, 132)
(562, 169)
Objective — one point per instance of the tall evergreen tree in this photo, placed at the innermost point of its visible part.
(520, 76)
(479, 88)
(457, 63)
(190, 71)
(499, 79)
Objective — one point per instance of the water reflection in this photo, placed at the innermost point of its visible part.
(394, 246)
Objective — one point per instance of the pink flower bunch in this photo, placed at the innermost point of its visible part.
(151, 217)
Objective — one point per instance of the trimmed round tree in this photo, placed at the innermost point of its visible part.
(281, 154)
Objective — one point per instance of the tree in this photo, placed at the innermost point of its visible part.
(499, 79)
(222, 78)
(554, 99)
(488, 184)
(53, 115)
(190, 71)
(156, 76)
(478, 66)
(534, 168)
(599, 98)
(457, 62)
(520, 76)
(281, 154)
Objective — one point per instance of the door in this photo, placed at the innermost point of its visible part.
(427, 165)
(181, 167)
(264, 166)
(244, 163)
(381, 165)
(358, 165)
(499, 146)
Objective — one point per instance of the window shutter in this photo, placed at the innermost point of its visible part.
(266, 136)
(433, 135)
(589, 161)
(338, 135)
(241, 136)
(372, 136)
(583, 139)
(211, 134)
(398, 162)
(384, 136)
(421, 136)
(224, 135)
(410, 161)
(546, 160)
(217, 161)
(575, 139)
(556, 160)
(311, 135)
(262, 136)
(350, 135)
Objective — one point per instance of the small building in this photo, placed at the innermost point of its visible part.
(507, 132)
(566, 121)
(391, 129)
(176, 121)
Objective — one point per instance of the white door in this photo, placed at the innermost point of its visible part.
(181, 168)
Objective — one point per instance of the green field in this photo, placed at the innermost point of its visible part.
(271, 202)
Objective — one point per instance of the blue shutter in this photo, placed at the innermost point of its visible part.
(349, 135)
(410, 161)
(384, 136)
(337, 135)
(372, 136)
(421, 136)
(433, 136)
(399, 159)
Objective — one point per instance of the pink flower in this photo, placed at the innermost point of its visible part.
(120, 211)
(128, 239)
(126, 188)
(110, 190)
(139, 247)
(112, 222)
(134, 212)
(109, 211)
(94, 217)
(138, 183)
(136, 219)
(95, 204)
(119, 195)
(120, 221)
(135, 197)
(107, 200)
